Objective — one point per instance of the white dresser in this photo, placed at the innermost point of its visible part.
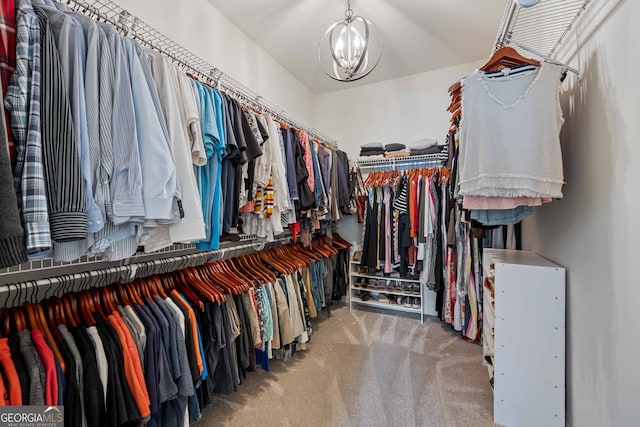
(524, 337)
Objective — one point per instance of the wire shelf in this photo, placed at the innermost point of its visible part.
(403, 162)
(542, 27)
(145, 34)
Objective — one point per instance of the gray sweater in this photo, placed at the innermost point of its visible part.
(12, 244)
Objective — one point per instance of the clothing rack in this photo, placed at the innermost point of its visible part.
(409, 162)
(17, 292)
(135, 28)
(540, 29)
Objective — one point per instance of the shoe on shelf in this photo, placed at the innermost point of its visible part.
(408, 288)
(362, 269)
(365, 296)
(372, 284)
(393, 299)
(406, 301)
(415, 288)
(415, 302)
(357, 256)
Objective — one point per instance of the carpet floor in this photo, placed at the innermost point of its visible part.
(366, 368)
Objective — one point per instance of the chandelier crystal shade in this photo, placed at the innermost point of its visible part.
(350, 48)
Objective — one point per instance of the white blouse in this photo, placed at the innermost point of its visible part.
(510, 135)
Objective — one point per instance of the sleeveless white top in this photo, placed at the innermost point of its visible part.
(510, 134)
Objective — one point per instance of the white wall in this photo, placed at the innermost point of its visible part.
(593, 231)
(201, 28)
(399, 110)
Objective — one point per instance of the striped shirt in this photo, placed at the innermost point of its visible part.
(22, 100)
(401, 202)
(126, 180)
(66, 192)
(120, 176)
(92, 97)
(72, 50)
(98, 83)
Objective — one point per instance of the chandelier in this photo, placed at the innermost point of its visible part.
(350, 48)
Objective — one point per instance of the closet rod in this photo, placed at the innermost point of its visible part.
(134, 27)
(125, 273)
(543, 56)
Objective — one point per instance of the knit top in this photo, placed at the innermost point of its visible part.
(510, 134)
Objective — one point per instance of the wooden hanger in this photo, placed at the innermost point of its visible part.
(159, 288)
(507, 57)
(59, 313)
(263, 273)
(123, 295)
(182, 287)
(52, 334)
(20, 319)
(240, 276)
(72, 317)
(193, 279)
(83, 303)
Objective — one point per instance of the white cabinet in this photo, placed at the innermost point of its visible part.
(524, 337)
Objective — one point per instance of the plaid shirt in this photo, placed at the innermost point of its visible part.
(22, 100)
(7, 56)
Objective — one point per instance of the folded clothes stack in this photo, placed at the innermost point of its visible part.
(372, 149)
(395, 150)
(425, 146)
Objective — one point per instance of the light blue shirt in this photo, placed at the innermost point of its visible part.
(210, 175)
(158, 169)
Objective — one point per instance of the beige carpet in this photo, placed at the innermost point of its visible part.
(366, 368)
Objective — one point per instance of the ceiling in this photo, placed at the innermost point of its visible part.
(418, 35)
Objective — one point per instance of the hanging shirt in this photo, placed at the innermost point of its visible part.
(10, 373)
(191, 226)
(304, 142)
(68, 201)
(291, 170)
(47, 358)
(22, 101)
(132, 368)
(209, 176)
(158, 169)
(101, 359)
(510, 134)
(72, 50)
(120, 171)
(93, 402)
(78, 368)
(188, 102)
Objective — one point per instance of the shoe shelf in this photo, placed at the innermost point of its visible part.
(385, 305)
(386, 279)
(355, 289)
(386, 291)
